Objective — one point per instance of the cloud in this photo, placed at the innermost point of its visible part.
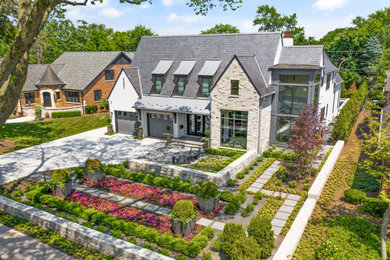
(145, 6)
(329, 5)
(171, 2)
(184, 18)
(74, 13)
(318, 27)
(247, 27)
(111, 12)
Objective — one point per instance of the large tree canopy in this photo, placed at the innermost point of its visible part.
(221, 28)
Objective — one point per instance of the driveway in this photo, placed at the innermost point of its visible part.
(75, 150)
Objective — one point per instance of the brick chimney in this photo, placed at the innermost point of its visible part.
(287, 40)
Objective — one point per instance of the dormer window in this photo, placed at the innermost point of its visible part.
(159, 73)
(205, 84)
(181, 84)
(158, 81)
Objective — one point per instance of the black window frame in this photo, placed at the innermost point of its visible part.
(177, 78)
(58, 95)
(95, 95)
(109, 75)
(154, 89)
(328, 79)
(209, 79)
(234, 88)
(72, 96)
(29, 98)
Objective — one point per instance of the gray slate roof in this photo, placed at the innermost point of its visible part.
(329, 67)
(152, 49)
(133, 75)
(81, 68)
(176, 105)
(34, 74)
(49, 78)
(302, 55)
(338, 79)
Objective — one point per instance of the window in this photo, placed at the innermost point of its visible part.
(327, 81)
(58, 95)
(234, 126)
(30, 98)
(205, 85)
(97, 95)
(109, 74)
(316, 92)
(283, 129)
(322, 81)
(234, 87)
(72, 96)
(318, 78)
(291, 99)
(295, 79)
(158, 83)
(181, 84)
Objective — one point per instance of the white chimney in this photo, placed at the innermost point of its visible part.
(287, 40)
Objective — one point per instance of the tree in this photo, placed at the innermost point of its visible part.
(307, 131)
(31, 19)
(376, 147)
(352, 88)
(221, 28)
(270, 20)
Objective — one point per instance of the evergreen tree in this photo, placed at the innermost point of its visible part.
(372, 52)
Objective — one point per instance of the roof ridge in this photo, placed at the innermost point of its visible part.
(305, 46)
(210, 35)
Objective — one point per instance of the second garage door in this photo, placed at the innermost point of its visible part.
(158, 124)
(125, 122)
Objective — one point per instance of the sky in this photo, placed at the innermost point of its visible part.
(174, 17)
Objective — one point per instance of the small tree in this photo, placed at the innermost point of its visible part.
(352, 88)
(377, 148)
(307, 131)
(260, 229)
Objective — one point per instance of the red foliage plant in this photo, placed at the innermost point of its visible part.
(307, 131)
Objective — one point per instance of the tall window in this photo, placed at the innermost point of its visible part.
(291, 99)
(158, 83)
(295, 79)
(316, 90)
(328, 81)
(58, 95)
(29, 97)
(181, 84)
(97, 95)
(205, 85)
(72, 96)
(283, 129)
(234, 90)
(234, 125)
(109, 74)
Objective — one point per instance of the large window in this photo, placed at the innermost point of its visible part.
(283, 129)
(205, 85)
(109, 74)
(328, 81)
(97, 95)
(234, 126)
(291, 99)
(72, 96)
(181, 84)
(158, 83)
(295, 79)
(234, 87)
(29, 97)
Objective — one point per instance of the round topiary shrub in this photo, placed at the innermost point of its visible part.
(209, 190)
(92, 164)
(227, 196)
(208, 197)
(60, 176)
(260, 229)
(354, 196)
(230, 209)
(183, 217)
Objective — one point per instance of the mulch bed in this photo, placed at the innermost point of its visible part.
(6, 145)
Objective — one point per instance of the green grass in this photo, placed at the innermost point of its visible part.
(364, 181)
(29, 134)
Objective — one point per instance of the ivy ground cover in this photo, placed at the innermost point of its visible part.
(161, 223)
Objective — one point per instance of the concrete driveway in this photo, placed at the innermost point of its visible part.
(74, 151)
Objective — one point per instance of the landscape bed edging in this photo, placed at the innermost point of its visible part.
(75, 232)
(291, 240)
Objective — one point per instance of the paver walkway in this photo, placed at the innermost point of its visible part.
(18, 246)
(283, 213)
(123, 200)
(20, 120)
(259, 182)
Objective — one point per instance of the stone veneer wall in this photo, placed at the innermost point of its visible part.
(247, 100)
(105, 244)
(220, 178)
(265, 123)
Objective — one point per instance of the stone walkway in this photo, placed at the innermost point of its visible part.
(283, 213)
(211, 223)
(322, 153)
(18, 246)
(259, 183)
(123, 200)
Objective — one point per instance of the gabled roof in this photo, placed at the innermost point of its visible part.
(49, 78)
(81, 68)
(221, 47)
(302, 55)
(329, 67)
(35, 72)
(132, 74)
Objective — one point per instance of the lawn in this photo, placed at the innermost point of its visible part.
(29, 134)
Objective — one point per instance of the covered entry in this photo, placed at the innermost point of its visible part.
(157, 124)
(125, 121)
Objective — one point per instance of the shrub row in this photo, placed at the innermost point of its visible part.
(223, 152)
(280, 155)
(66, 114)
(372, 206)
(256, 174)
(235, 203)
(244, 172)
(166, 240)
(91, 109)
(251, 207)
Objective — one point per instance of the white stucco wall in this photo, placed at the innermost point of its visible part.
(329, 98)
(122, 97)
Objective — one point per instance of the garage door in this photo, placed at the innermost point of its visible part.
(125, 122)
(158, 124)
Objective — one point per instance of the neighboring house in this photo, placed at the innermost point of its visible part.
(245, 88)
(73, 81)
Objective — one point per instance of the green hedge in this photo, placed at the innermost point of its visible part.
(66, 114)
(256, 174)
(91, 109)
(374, 207)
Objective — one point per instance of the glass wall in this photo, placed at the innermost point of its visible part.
(283, 129)
(292, 99)
(234, 126)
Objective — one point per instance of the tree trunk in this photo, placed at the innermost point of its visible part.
(384, 224)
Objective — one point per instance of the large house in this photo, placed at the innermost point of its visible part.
(245, 88)
(74, 80)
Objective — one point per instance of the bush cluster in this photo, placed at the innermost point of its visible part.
(256, 174)
(280, 155)
(91, 109)
(354, 196)
(260, 228)
(66, 114)
(374, 207)
(227, 196)
(235, 203)
(223, 152)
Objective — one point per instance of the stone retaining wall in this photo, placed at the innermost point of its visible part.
(220, 178)
(291, 241)
(105, 244)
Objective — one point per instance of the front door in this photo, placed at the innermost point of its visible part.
(46, 99)
(196, 125)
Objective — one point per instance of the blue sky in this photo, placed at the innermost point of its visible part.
(173, 17)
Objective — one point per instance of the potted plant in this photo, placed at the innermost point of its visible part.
(61, 183)
(183, 217)
(206, 139)
(208, 197)
(168, 134)
(109, 126)
(94, 171)
(139, 130)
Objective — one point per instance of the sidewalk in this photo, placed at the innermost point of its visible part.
(20, 120)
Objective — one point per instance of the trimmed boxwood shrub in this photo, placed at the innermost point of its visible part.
(60, 176)
(183, 210)
(227, 196)
(260, 229)
(62, 114)
(230, 208)
(208, 232)
(354, 196)
(374, 207)
(245, 248)
(92, 164)
(91, 109)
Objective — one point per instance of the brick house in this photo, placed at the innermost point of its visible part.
(73, 81)
(245, 88)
